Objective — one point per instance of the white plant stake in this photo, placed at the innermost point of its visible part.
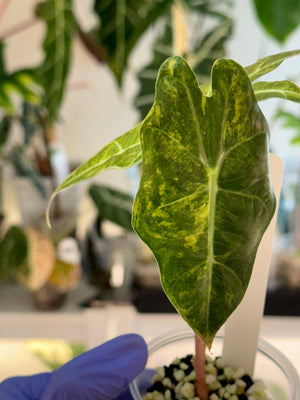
(242, 327)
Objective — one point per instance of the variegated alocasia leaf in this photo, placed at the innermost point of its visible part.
(262, 67)
(280, 89)
(267, 64)
(123, 152)
(57, 46)
(205, 197)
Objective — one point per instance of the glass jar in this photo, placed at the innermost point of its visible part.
(272, 367)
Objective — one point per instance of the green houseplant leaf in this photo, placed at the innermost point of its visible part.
(24, 167)
(205, 196)
(290, 121)
(201, 58)
(161, 49)
(23, 83)
(125, 151)
(267, 64)
(5, 127)
(123, 22)
(112, 205)
(13, 251)
(279, 17)
(281, 89)
(57, 46)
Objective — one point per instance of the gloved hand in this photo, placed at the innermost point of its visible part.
(102, 373)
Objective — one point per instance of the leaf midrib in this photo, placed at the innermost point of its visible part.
(213, 174)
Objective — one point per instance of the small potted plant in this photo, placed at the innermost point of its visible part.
(205, 196)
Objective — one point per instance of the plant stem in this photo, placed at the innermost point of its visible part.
(92, 46)
(200, 384)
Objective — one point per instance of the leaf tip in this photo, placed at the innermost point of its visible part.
(47, 214)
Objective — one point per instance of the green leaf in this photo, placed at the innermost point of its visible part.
(209, 49)
(267, 64)
(290, 121)
(279, 17)
(23, 83)
(280, 89)
(112, 205)
(122, 24)
(162, 49)
(29, 121)
(261, 67)
(204, 48)
(5, 127)
(13, 252)
(121, 153)
(23, 166)
(57, 46)
(201, 54)
(205, 196)
(296, 140)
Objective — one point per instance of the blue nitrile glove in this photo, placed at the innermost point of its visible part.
(102, 373)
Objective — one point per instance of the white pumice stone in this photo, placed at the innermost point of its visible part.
(155, 378)
(183, 366)
(210, 378)
(178, 387)
(210, 369)
(190, 377)
(218, 383)
(158, 396)
(160, 372)
(240, 383)
(228, 372)
(188, 390)
(208, 358)
(220, 362)
(178, 374)
(231, 388)
(215, 386)
(167, 382)
(238, 373)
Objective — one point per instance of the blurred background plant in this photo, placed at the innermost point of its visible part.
(32, 100)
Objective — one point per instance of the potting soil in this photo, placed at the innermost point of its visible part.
(177, 382)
